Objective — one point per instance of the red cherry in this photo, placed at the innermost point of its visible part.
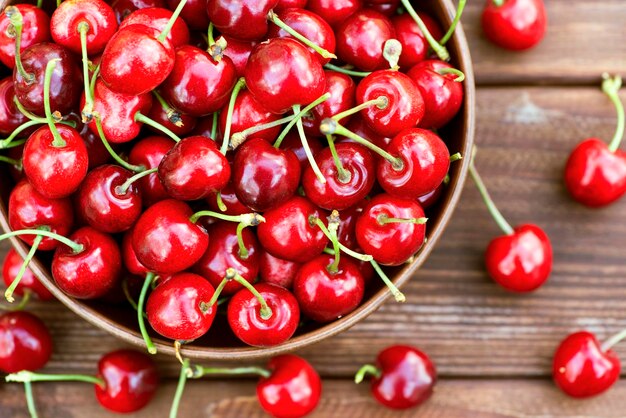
(179, 307)
(582, 368)
(230, 200)
(359, 126)
(180, 123)
(342, 97)
(193, 13)
(293, 142)
(404, 377)
(25, 342)
(148, 152)
(129, 257)
(334, 12)
(514, 24)
(247, 21)
(247, 113)
(130, 381)
(238, 51)
(277, 271)
(385, 7)
(123, 8)
(29, 282)
(158, 18)
(292, 390)
(288, 4)
(10, 116)
(35, 30)
(430, 199)
(246, 319)
(415, 47)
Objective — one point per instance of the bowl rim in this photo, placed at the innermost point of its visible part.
(133, 336)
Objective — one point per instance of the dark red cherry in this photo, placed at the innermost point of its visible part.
(96, 151)
(334, 12)
(359, 126)
(28, 283)
(247, 20)
(290, 231)
(346, 231)
(288, 4)
(247, 113)
(415, 47)
(264, 176)
(179, 307)
(165, 240)
(25, 342)
(123, 8)
(582, 368)
(514, 24)
(130, 381)
(282, 73)
(385, 7)
(179, 123)
(324, 295)
(149, 152)
(293, 142)
(342, 97)
(247, 322)
(193, 13)
(229, 199)
(238, 51)
(383, 232)
(158, 18)
(430, 199)
(35, 30)
(277, 271)
(55, 171)
(92, 272)
(10, 116)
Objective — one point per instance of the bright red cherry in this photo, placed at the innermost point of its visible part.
(247, 113)
(415, 47)
(10, 116)
(342, 97)
(129, 258)
(35, 29)
(277, 271)
(158, 18)
(514, 24)
(123, 8)
(403, 377)
(148, 152)
(238, 51)
(25, 342)
(334, 12)
(230, 201)
(246, 21)
(193, 13)
(29, 282)
(582, 368)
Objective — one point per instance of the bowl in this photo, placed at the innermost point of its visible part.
(120, 320)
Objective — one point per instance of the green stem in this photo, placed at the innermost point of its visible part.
(241, 83)
(456, 157)
(346, 70)
(384, 219)
(27, 376)
(365, 370)
(243, 251)
(220, 202)
(39, 3)
(498, 3)
(440, 50)
(166, 30)
(128, 296)
(8, 294)
(142, 326)
(4, 143)
(216, 116)
(353, 254)
(392, 49)
(180, 388)
(307, 148)
(249, 219)
(123, 189)
(495, 213)
(608, 344)
(115, 155)
(17, 21)
(58, 141)
(216, 294)
(30, 399)
(83, 28)
(343, 175)
(610, 87)
(460, 76)
(15, 163)
(26, 113)
(76, 248)
(21, 305)
(333, 226)
(298, 114)
(200, 371)
(273, 17)
(172, 115)
(210, 38)
(380, 102)
(156, 125)
(94, 77)
(455, 22)
(266, 311)
(239, 138)
(397, 294)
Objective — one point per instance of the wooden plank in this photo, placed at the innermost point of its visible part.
(466, 323)
(584, 39)
(340, 399)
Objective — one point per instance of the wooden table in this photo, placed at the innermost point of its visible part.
(492, 349)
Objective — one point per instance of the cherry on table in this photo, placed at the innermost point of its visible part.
(25, 340)
(514, 24)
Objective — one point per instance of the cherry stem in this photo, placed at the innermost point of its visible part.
(273, 17)
(123, 189)
(460, 76)
(439, 49)
(17, 21)
(210, 38)
(365, 370)
(180, 388)
(610, 87)
(306, 148)
(298, 114)
(128, 296)
(83, 28)
(76, 247)
(495, 213)
(156, 125)
(115, 155)
(381, 102)
(249, 219)
(392, 49)
(384, 219)
(20, 306)
(397, 294)
(347, 71)
(608, 344)
(200, 371)
(26, 113)
(498, 3)
(28, 376)
(216, 48)
(333, 226)
(58, 141)
(172, 114)
(239, 138)
(243, 251)
(140, 304)
(30, 399)
(457, 156)
(344, 176)
(170, 23)
(241, 83)
(455, 22)
(330, 126)
(8, 294)
(220, 202)
(232, 274)
(5, 143)
(15, 163)
(363, 257)
(214, 125)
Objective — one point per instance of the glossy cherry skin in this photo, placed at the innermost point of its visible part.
(385, 7)
(65, 84)
(342, 90)
(407, 377)
(425, 163)
(129, 258)
(245, 20)
(97, 153)
(520, 262)
(149, 152)
(338, 193)
(178, 307)
(442, 95)
(288, 232)
(65, 21)
(10, 116)
(158, 113)
(130, 381)
(123, 8)
(581, 368)
(334, 12)
(165, 240)
(238, 51)
(35, 29)
(158, 18)
(282, 72)
(309, 25)
(25, 342)
(324, 296)
(264, 176)
(595, 176)
(288, 4)
(29, 282)
(223, 253)
(430, 199)
(248, 112)
(293, 142)
(390, 243)
(193, 13)
(361, 37)
(230, 200)
(135, 61)
(415, 47)
(516, 25)
(30, 210)
(55, 172)
(91, 273)
(103, 205)
(244, 316)
(277, 271)
(359, 126)
(293, 389)
(347, 225)
(405, 105)
(117, 112)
